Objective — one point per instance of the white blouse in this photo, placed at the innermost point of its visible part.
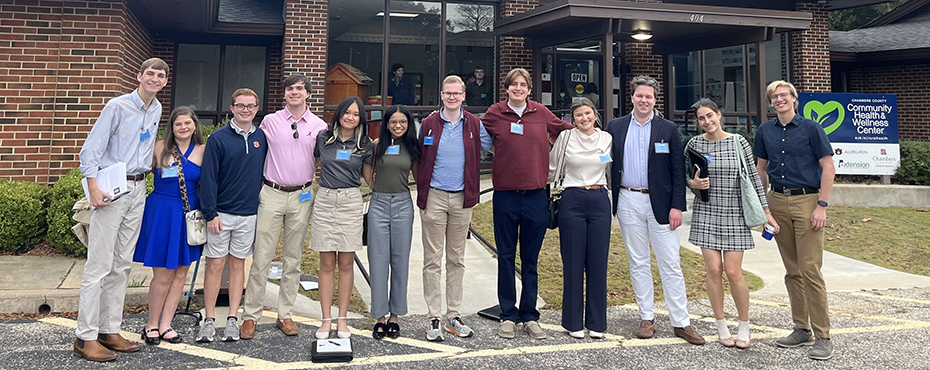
(585, 160)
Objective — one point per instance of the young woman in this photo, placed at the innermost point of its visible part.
(390, 219)
(163, 240)
(344, 152)
(717, 225)
(584, 219)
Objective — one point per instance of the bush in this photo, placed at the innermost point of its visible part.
(65, 192)
(22, 215)
(915, 163)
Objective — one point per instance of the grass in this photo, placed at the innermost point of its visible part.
(892, 237)
(619, 286)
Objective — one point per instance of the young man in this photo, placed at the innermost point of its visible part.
(478, 93)
(649, 195)
(400, 88)
(124, 132)
(285, 200)
(229, 185)
(522, 130)
(795, 157)
(451, 143)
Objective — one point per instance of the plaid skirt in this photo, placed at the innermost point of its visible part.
(337, 220)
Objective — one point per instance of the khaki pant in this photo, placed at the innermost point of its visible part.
(802, 253)
(444, 224)
(277, 208)
(114, 231)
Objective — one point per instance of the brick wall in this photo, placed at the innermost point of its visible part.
(164, 49)
(59, 63)
(912, 86)
(810, 52)
(512, 52)
(275, 77)
(304, 49)
(639, 56)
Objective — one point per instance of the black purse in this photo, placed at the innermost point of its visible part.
(555, 192)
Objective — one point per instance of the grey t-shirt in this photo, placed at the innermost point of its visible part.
(393, 170)
(341, 173)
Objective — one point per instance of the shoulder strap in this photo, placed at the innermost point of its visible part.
(181, 182)
(560, 172)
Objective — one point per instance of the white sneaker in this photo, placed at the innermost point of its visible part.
(577, 334)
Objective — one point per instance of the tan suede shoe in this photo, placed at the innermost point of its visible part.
(93, 351)
(287, 326)
(117, 343)
(248, 329)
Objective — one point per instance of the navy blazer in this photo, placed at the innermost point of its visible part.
(666, 171)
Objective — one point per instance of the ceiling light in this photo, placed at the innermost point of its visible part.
(640, 35)
(399, 15)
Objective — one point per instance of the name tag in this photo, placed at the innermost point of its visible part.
(343, 155)
(708, 156)
(393, 150)
(516, 128)
(484, 96)
(661, 147)
(427, 140)
(145, 135)
(605, 158)
(305, 196)
(169, 172)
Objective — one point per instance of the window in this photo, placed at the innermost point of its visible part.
(470, 48)
(207, 75)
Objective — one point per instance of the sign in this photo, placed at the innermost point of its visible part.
(579, 77)
(862, 128)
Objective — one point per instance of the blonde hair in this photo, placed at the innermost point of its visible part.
(770, 91)
(518, 72)
(453, 79)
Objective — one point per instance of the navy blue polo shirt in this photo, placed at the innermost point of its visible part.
(793, 151)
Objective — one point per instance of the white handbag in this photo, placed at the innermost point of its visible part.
(193, 219)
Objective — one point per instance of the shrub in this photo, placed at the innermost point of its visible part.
(65, 192)
(915, 163)
(22, 215)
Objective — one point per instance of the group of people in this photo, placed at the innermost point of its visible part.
(253, 185)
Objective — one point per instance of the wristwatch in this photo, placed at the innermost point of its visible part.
(822, 203)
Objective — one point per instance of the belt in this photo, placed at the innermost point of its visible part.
(590, 187)
(795, 191)
(449, 191)
(137, 177)
(284, 188)
(644, 191)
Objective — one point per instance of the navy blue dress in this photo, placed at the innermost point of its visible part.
(163, 239)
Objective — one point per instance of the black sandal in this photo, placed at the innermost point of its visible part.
(379, 331)
(152, 341)
(393, 330)
(175, 339)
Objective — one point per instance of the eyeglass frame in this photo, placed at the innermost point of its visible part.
(249, 107)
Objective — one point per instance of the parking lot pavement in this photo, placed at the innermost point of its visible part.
(887, 329)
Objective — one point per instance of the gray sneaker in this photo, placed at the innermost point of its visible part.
(823, 349)
(457, 326)
(207, 331)
(434, 331)
(798, 337)
(231, 334)
(507, 329)
(534, 330)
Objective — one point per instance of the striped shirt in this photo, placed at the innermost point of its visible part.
(118, 135)
(449, 167)
(636, 154)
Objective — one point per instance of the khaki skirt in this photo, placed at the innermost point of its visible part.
(337, 220)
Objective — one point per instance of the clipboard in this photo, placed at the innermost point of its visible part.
(699, 161)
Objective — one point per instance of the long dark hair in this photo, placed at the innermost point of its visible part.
(409, 139)
(168, 150)
(361, 131)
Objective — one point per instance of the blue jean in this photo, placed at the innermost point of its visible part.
(584, 237)
(519, 215)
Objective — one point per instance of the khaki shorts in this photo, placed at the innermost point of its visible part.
(235, 239)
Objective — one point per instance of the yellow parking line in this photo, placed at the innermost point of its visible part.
(891, 298)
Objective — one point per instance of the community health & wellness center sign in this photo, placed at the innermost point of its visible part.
(863, 129)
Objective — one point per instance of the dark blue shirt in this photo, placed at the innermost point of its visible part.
(793, 151)
(231, 177)
(402, 91)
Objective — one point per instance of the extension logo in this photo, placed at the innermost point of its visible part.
(829, 116)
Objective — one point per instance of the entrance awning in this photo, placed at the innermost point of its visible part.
(674, 27)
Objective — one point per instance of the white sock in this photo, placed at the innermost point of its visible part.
(722, 330)
(743, 333)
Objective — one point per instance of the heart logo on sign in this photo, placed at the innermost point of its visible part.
(829, 116)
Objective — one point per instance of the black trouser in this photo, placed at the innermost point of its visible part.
(584, 231)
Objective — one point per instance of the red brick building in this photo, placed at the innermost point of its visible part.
(60, 61)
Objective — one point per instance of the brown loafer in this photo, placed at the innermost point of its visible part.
(248, 329)
(117, 343)
(646, 329)
(287, 326)
(690, 335)
(93, 351)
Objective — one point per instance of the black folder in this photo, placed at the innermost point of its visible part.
(698, 161)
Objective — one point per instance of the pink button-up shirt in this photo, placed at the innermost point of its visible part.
(290, 161)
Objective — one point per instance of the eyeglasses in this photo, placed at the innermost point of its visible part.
(452, 94)
(646, 81)
(780, 96)
(294, 127)
(245, 107)
(395, 123)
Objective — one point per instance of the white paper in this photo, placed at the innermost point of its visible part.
(309, 285)
(546, 77)
(546, 98)
(333, 345)
(112, 180)
(617, 83)
(616, 100)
